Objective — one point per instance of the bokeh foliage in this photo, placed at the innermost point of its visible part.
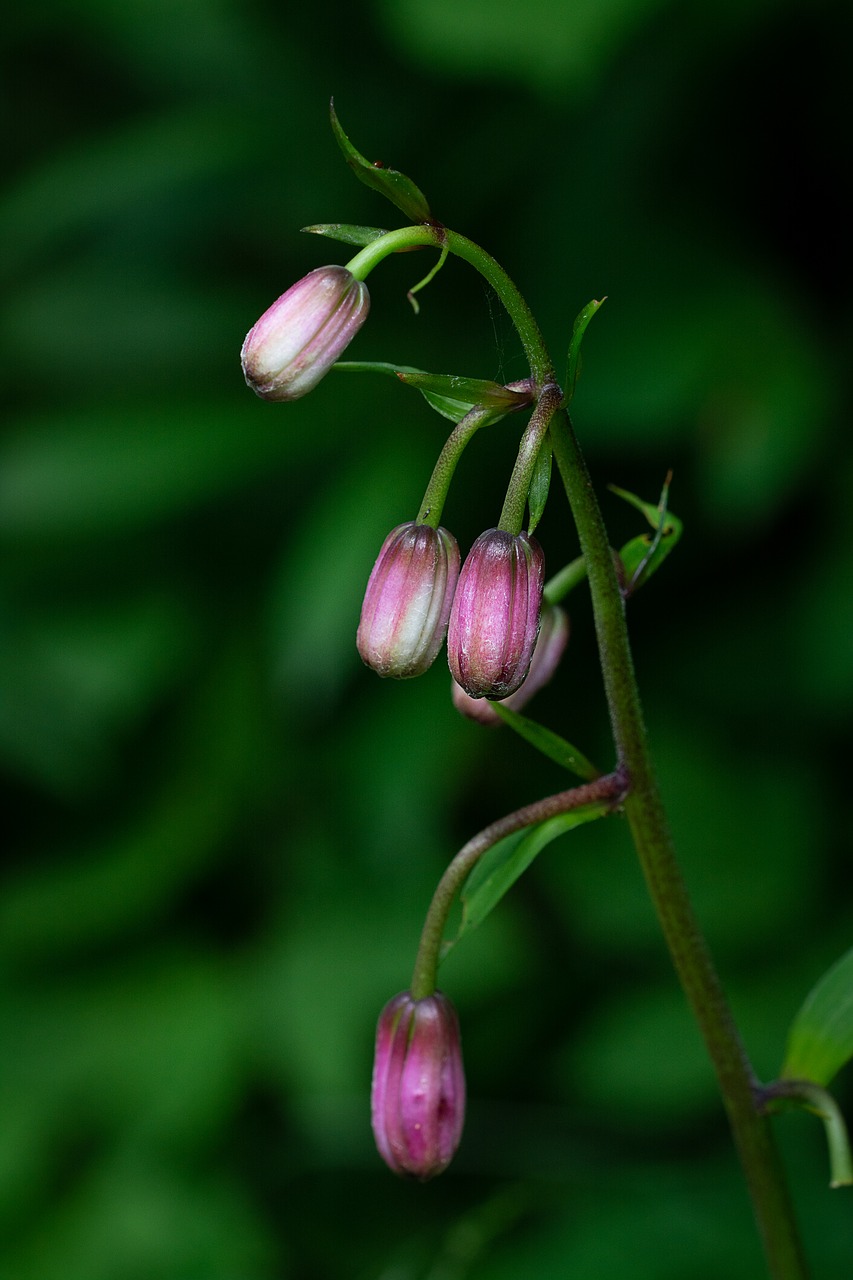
(221, 831)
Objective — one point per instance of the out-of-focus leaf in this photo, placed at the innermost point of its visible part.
(548, 742)
(392, 184)
(87, 472)
(70, 684)
(346, 232)
(518, 43)
(101, 890)
(500, 867)
(820, 1040)
(91, 181)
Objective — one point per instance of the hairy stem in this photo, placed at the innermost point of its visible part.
(611, 787)
(654, 846)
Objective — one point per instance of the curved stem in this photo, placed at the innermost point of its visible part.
(442, 474)
(438, 237)
(610, 787)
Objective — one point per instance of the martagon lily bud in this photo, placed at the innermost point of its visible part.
(494, 621)
(407, 601)
(299, 338)
(418, 1092)
(550, 647)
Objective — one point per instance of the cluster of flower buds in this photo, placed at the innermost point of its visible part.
(299, 338)
(492, 611)
(418, 1092)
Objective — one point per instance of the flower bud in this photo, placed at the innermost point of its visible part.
(407, 601)
(494, 621)
(301, 336)
(553, 638)
(418, 1095)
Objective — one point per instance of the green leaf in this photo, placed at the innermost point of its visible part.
(347, 232)
(469, 391)
(578, 330)
(548, 742)
(540, 484)
(652, 512)
(643, 555)
(820, 1040)
(449, 394)
(395, 186)
(499, 868)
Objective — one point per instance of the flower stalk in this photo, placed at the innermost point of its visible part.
(611, 787)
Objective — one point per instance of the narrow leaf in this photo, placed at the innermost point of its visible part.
(549, 743)
(578, 330)
(434, 387)
(499, 868)
(395, 186)
(346, 232)
(643, 555)
(653, 512)
(540, 483)
(820, 1040)
(470, 390)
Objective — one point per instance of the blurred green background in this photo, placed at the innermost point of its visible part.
(222, 832)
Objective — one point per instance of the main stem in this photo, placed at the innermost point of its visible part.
(644, 807)
(653, 842)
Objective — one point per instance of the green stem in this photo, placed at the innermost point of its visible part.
(609, 787)
(438, 237)
(436, 491)
(565, 580)
(512, 515)
(653, 843)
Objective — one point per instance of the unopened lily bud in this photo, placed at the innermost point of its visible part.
(494, 621)
(550, 647)
(407, 601)
(418, 1095)
(296, 342)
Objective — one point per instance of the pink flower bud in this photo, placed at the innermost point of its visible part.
(494, 621)
(301, 336)
(407, 601)
(553, 638)
(418, 1094)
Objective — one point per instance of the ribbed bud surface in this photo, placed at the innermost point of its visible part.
(407, 601)
(299, 338)
(418, 1093)
(550, 647)
(494, 621)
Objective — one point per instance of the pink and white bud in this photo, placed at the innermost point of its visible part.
(417, 1099)
(407, 601)
(550, 647)
(494, 621)
(296, 341)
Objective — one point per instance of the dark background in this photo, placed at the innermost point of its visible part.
(226, 830)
